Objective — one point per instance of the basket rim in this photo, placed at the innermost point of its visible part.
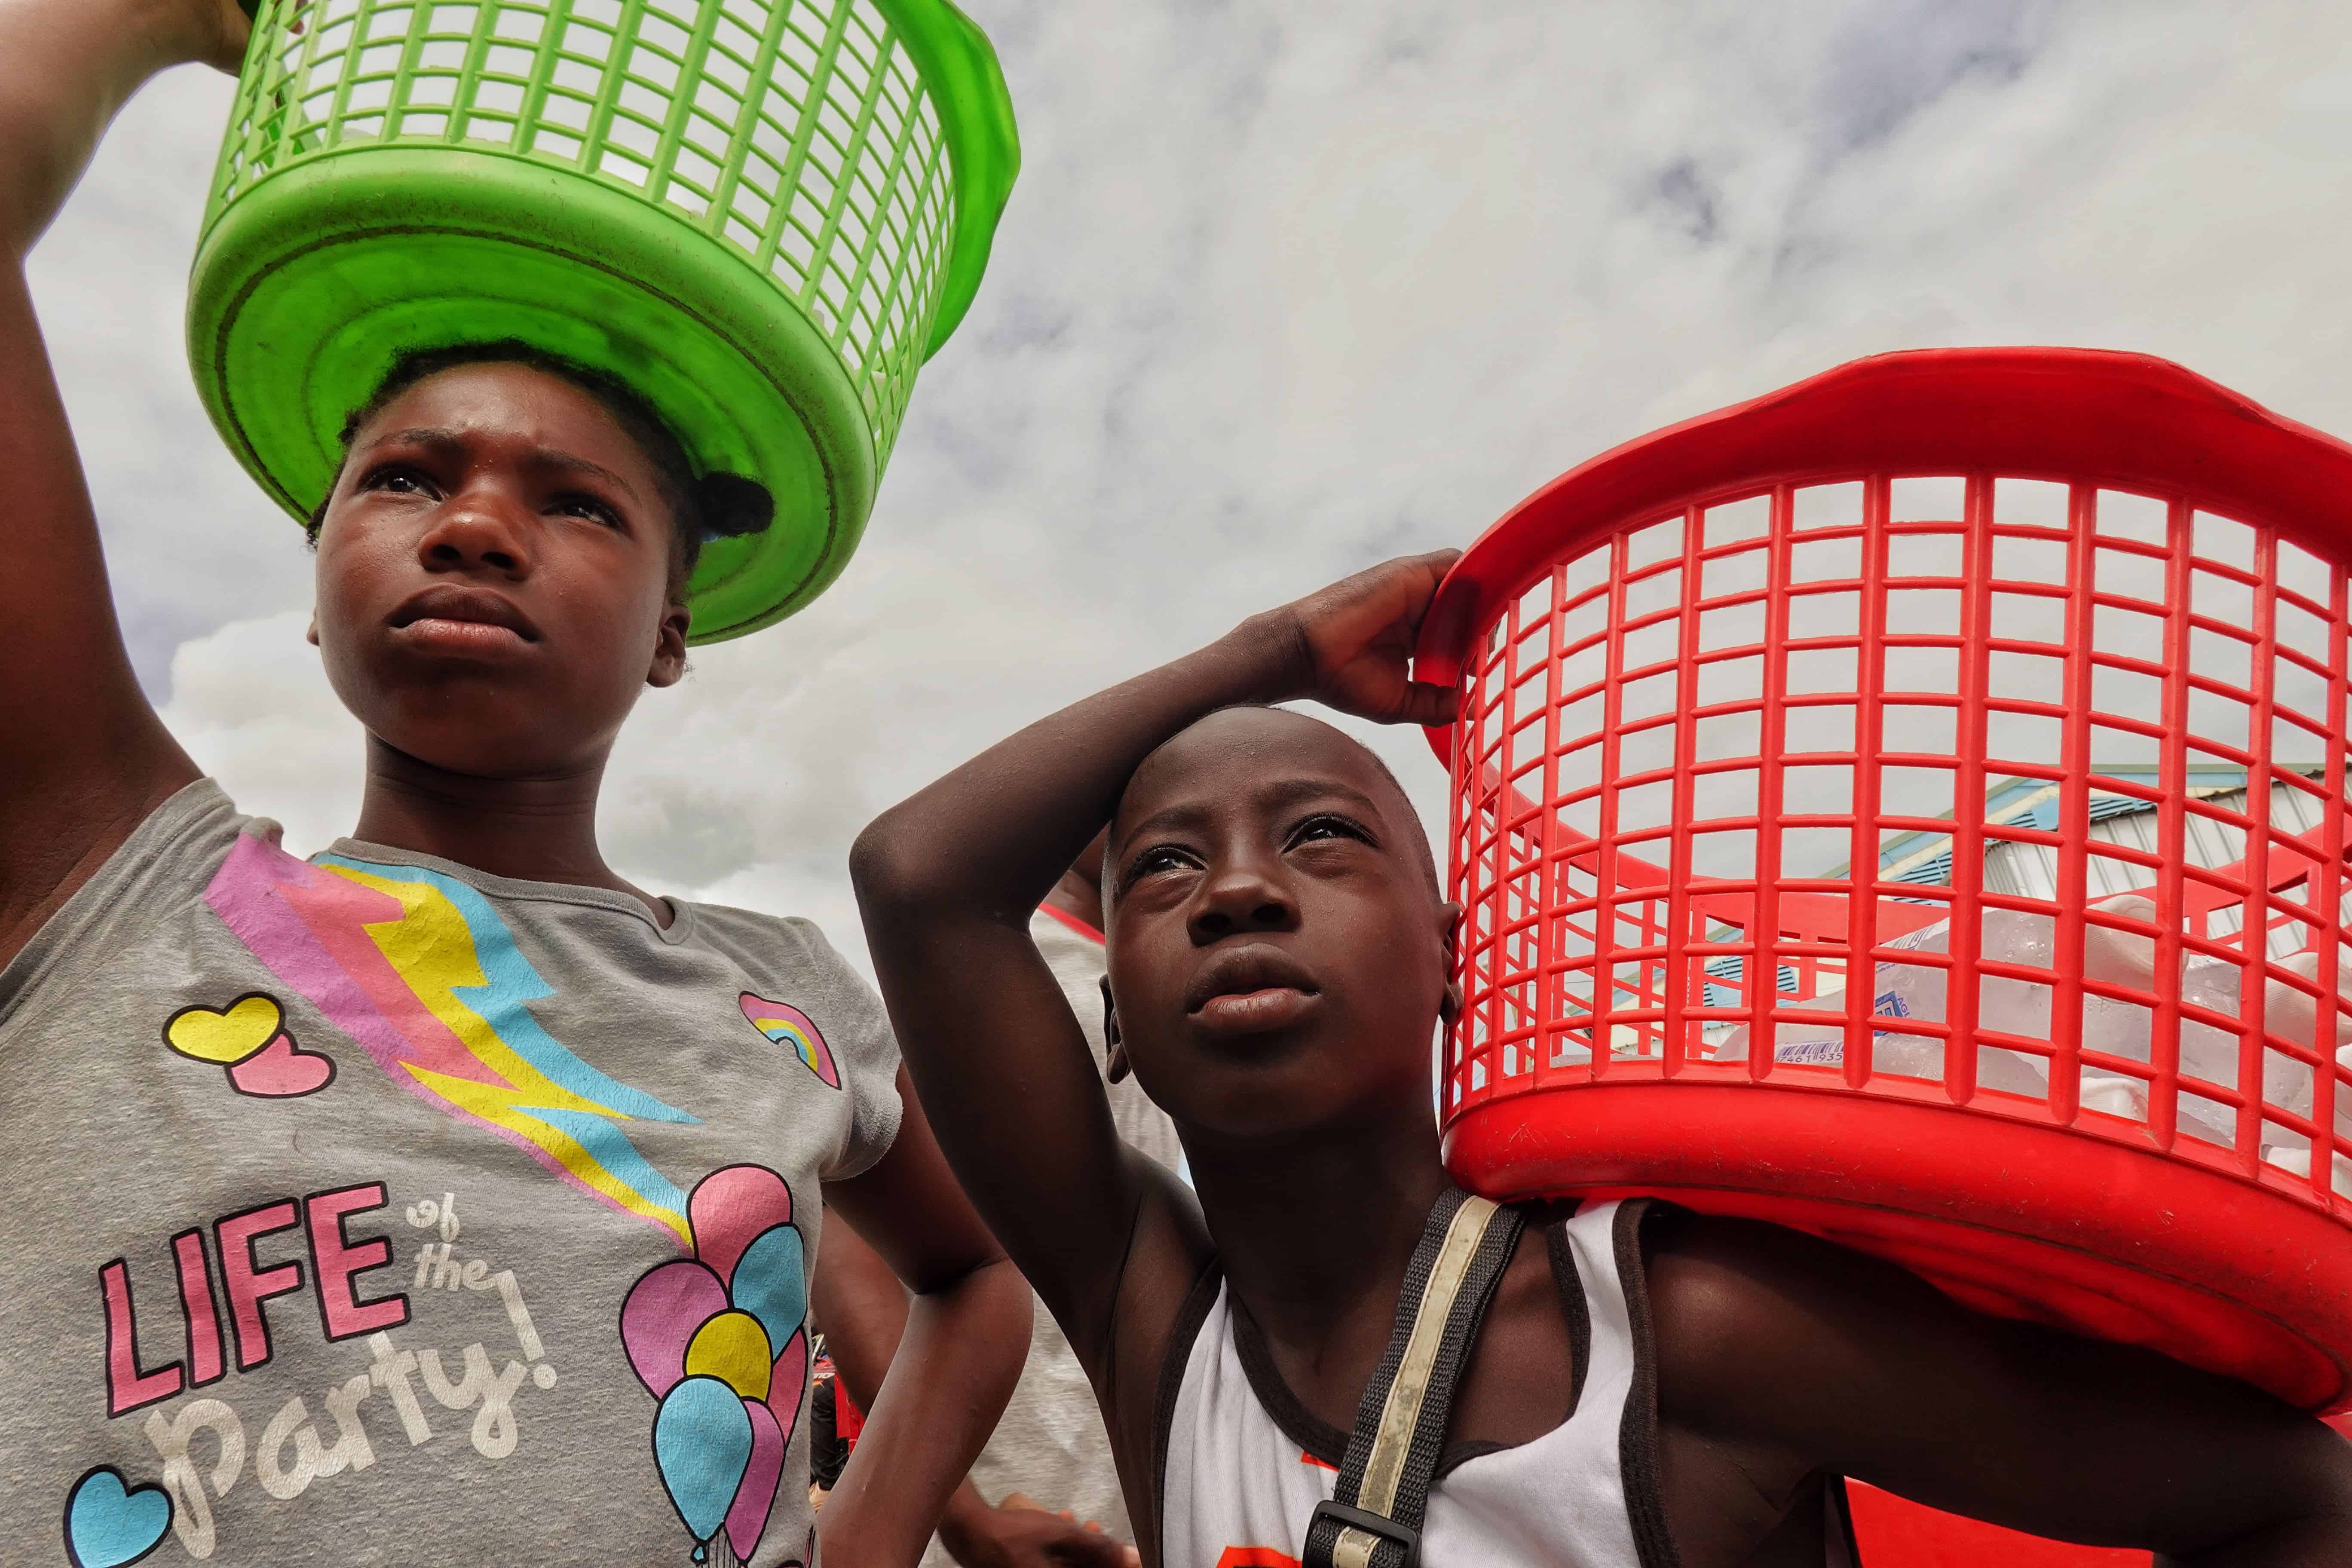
(271, 424)
(2123, 420)
(960, 67)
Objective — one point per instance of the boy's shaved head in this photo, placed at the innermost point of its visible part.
(1279, 948)
(1406, 813)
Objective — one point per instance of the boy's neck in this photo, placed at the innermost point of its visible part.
(532, 829)
(1315, 1232)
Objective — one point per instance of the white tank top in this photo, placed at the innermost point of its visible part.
(1237, 1485)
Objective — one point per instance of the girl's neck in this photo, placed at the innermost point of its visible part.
(530, 829)
(1315, 1232)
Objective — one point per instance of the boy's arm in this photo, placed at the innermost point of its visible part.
(1782, 1354)
(87, 757)
(947, 881)
(966, 1337)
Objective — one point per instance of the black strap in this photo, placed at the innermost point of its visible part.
(1461, 1257)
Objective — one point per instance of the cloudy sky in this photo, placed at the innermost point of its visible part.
(1287, 286)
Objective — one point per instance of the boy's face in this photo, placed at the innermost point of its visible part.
(1278, 953)
(493, 574)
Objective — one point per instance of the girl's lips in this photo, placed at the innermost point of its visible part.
(434, 634)
(1255, 1012)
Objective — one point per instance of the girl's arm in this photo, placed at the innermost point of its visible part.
(85, 756)
(862, 1308)
(966, 1337)
(947, 880)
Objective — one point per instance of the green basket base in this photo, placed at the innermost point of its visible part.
(316, 281)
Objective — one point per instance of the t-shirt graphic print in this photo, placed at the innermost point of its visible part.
(369, 1209)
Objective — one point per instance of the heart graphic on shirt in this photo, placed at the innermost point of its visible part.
(224, 1035)
(282, 1070)
(108, 1525)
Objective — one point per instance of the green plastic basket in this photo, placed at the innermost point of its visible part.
(761, 215)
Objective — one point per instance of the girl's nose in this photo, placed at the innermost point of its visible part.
(477, 530)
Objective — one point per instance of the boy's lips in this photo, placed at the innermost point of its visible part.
(451, 618)
(1249, 990)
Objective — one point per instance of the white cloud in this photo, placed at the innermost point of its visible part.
(1289, 285)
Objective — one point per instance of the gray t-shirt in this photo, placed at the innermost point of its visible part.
(371, 1210)
(1051, 1442)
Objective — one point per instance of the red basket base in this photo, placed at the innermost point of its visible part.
(1893, 1532)
(2009, 1217)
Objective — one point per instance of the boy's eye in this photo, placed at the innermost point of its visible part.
(1160, 858)
(1329, 826)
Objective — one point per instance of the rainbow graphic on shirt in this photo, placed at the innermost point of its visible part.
(788, 1026)
(419, 970)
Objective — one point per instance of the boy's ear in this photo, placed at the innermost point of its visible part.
(1449, 1006)
(1116, 1066)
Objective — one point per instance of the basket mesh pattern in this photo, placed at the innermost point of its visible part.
(796, 132)
(1994, 775)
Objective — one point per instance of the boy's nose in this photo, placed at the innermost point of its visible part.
(1240, 898)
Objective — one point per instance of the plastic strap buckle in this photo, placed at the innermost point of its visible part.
(1403, 1537)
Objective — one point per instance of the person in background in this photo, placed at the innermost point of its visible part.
(1046, 1489)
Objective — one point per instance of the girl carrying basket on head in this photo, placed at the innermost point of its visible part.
(442, 1196)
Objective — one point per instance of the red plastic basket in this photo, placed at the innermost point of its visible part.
(1975, 704)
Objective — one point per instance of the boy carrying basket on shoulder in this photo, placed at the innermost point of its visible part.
(1648, 1387)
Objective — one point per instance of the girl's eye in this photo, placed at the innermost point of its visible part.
(590, 508)
(398, 481)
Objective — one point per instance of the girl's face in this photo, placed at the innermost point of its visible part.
(493, 575)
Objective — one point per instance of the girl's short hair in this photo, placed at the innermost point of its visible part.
(703, 506)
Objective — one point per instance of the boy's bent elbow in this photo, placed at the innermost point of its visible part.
(887, 870)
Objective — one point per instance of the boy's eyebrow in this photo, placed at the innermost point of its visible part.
(1291, 791)
(1274, 795)
(1165, 817)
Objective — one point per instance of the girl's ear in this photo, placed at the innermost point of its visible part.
(668, 665)
(1116, 1067)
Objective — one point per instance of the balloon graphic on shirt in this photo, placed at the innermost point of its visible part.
(734, 1348)
(788, 1380)
(747, 1517)
(658, 1320)
(730, 1207)
(703, 1335)
(702, 1446)
(770, 1282)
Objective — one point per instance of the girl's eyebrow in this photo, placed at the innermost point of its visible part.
(569, 463)
(440, 443)
(445, 445)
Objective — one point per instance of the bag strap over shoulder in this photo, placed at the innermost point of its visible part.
(1374, 1517)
